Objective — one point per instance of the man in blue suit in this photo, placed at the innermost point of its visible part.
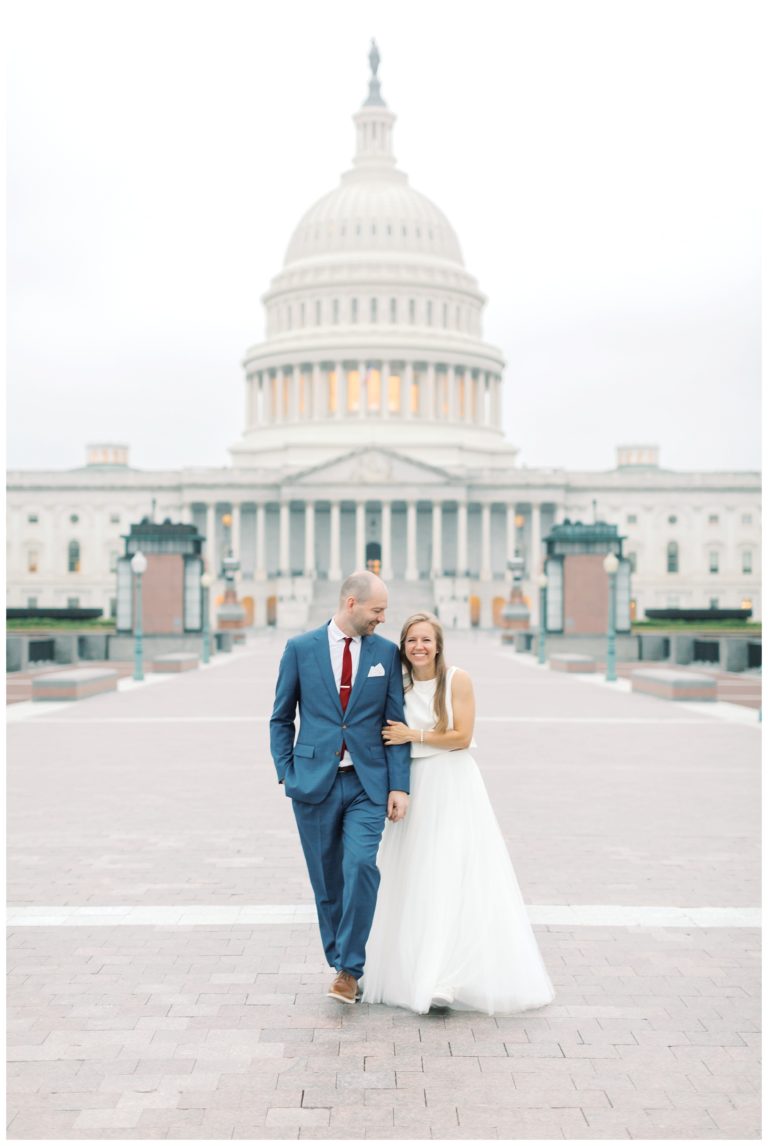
(342, 778)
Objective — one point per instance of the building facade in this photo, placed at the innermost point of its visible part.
(373, 436)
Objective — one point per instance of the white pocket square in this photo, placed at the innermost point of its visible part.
(377, 670)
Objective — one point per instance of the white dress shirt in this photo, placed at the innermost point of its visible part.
(336, 643)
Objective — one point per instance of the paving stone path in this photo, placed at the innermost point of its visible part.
(163, 796)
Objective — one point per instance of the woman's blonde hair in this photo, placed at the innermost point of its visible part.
(438, 704)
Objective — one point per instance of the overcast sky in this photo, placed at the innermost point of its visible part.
(599, 162)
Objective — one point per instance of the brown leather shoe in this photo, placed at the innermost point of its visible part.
(344, 988)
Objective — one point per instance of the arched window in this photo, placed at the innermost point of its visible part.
(73, 557)
(673, 557)
(33, 558)
(746, 561)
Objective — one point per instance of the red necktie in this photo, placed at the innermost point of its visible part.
(345, 687)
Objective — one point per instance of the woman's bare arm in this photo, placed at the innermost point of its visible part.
(460, 736)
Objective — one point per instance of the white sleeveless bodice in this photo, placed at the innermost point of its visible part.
(419, 712)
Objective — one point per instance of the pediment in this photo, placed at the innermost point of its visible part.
(369, 467)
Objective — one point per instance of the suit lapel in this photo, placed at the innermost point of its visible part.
(323, 654)
(363, 665)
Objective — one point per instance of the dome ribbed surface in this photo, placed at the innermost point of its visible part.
(374, 215)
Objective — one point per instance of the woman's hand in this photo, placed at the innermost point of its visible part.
(396, 733)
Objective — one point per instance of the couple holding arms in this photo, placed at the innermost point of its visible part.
(417, 899)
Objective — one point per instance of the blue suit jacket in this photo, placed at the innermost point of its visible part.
(305, 678)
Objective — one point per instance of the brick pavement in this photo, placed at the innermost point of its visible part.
(165, 795)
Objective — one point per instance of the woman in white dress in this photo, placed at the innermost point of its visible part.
(450, 928)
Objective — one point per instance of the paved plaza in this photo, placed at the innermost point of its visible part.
(166, 974)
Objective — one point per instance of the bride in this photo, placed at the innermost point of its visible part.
(450, 928)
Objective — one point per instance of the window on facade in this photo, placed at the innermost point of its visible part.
(713, 519)
(32, 561)
(673, 557)
(73, 557)
(113, 606)
(393, 310)
(335, 310)
(318, 313)
(374, 310)
(631, 519)
(746, 603)
(746, 561)
(412, 310)
(746, 519)
(429, 312)
(714, 561)
(113, 561)
(114, 518)
(32, 518)
(714, 602)
(445, 314)
(289, 313)
(389, 228)
(632, 558)
(31, 602)
(73, 602)
(672, 519)
(353, 311)
(302, 314)
(74, 518)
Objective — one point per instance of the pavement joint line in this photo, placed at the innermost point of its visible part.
(650, 720)
(576, 915)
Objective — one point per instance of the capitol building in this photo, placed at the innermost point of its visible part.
(373, 437)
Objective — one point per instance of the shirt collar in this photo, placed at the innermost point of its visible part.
(335, 633)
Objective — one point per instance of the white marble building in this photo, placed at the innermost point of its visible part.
(373, 434)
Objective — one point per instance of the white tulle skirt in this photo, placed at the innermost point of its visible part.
(450, 925)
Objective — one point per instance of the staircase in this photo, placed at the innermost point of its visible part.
(405, 597)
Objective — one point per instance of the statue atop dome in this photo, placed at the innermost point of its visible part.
(374, 83)
(374, 59)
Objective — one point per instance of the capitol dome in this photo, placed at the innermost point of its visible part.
(373, 324)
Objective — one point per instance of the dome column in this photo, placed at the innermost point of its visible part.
(386, 540)
(411, 567)
(384, 411)
(309, 539)
(406, 390)
(341, 390)
(485, 545)
(334, 565)
(235, 536)
(462, 560)
(430, 395)
(362, 406)
(285, 539)
(319, 409)
(453, 387)
(261, 542)
(511, 535)
(360, 535)
(437, 539)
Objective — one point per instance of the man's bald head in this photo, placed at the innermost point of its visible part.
(362, 603)
(361, 585)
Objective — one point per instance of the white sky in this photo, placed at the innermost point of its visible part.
(599, 162)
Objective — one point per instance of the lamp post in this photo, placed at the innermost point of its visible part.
(542, 580)
(206, 581)
(138, 565)
(611, 566)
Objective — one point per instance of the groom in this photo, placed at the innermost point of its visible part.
(342, 779)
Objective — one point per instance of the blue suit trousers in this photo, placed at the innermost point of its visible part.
(340, 837)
